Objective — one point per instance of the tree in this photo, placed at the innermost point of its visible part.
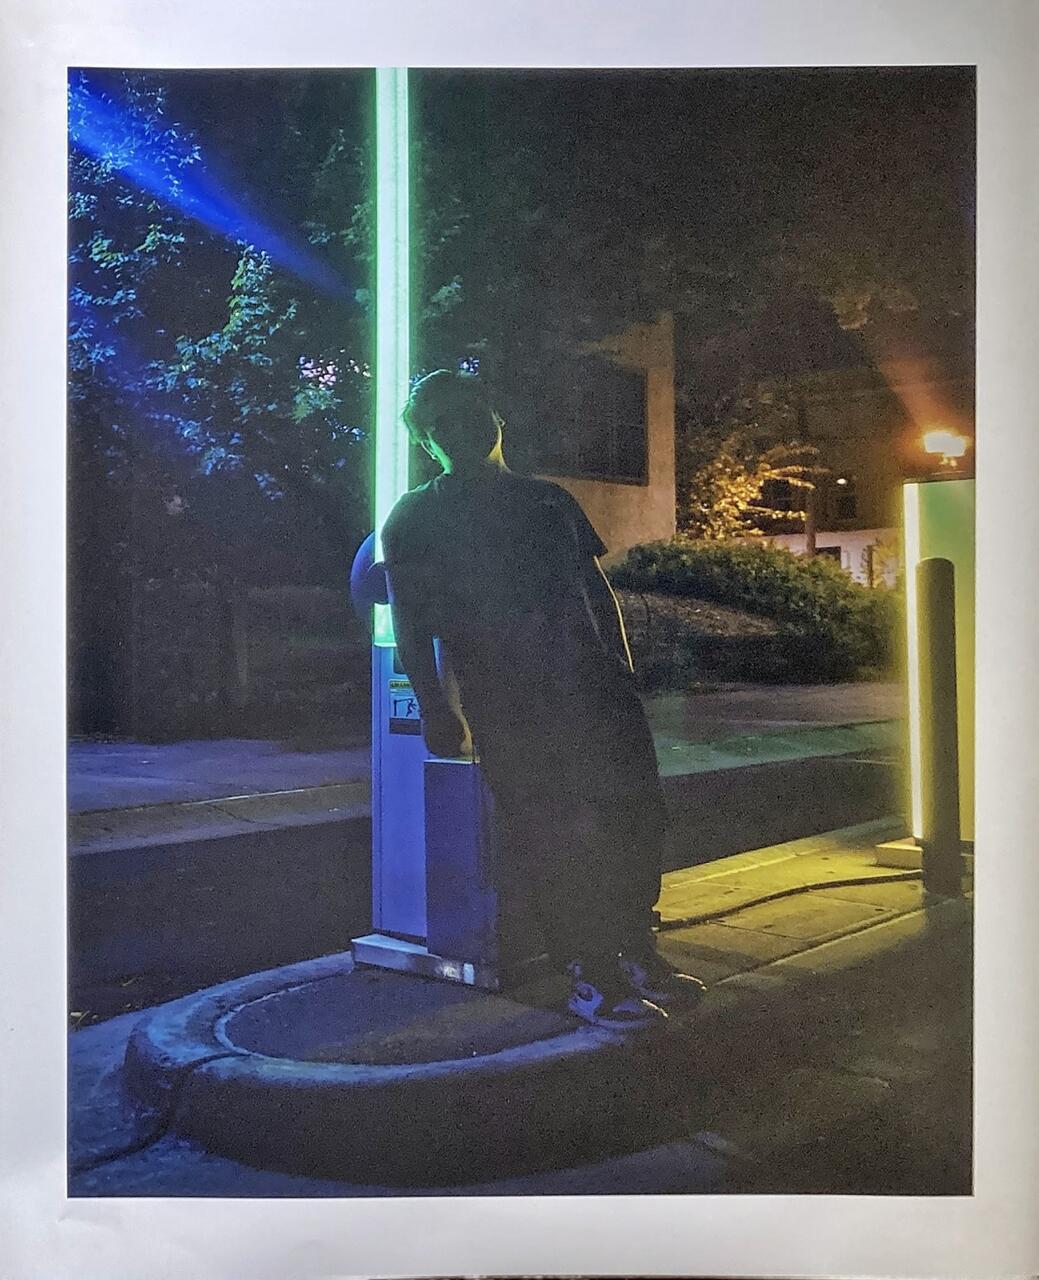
(169, 381)
(124, 246)
(727, 495)
(254, 404)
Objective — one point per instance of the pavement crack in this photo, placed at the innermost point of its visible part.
(237, 815)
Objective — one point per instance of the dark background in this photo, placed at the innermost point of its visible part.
(791, 220)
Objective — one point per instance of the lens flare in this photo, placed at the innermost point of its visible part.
(162, 164)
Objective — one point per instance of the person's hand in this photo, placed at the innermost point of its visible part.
(446, 733)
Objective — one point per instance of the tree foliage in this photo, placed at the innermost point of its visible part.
(550, 209)
(126, 246)
(727, 496)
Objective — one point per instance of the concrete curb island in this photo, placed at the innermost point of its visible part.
(420, 1122)
(318, 1070)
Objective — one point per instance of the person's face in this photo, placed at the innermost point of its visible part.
(424, 441)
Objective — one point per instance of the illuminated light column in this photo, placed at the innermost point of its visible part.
(911, 554)
(392, 306)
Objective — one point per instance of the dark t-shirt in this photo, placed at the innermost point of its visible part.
(494, 560)
(497, 567)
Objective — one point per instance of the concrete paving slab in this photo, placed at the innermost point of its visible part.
(716, 951)
(728, 709)
(775, 1117)
(678, 756)
(715, 887)
(695, 897)
(861, 838)
(326, 800)
(808, 921)
(176, 1167)
(146, 826)
(935, 921)
(905, 897)
(751, 937)
(129, 774)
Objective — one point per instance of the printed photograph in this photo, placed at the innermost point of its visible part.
(520, 631)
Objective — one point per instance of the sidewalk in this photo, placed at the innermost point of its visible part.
(126, 794)
(831, 1054)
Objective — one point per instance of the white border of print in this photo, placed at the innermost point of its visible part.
(48, 1235)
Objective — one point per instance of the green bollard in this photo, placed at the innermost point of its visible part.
(940, 835)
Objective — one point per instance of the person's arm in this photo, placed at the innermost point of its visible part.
(607, 612)
(443, 727)
(602, 602)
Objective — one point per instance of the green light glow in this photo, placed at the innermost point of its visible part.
(392, 305)
(939, 521)
(911, 535)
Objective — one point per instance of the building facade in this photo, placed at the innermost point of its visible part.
(868, 424)
(622, 467)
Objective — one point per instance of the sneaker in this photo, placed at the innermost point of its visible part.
(604, 1001)
(652, 979)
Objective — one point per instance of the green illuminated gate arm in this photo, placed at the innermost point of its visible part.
(392, 306)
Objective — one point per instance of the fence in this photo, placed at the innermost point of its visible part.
(184, 660)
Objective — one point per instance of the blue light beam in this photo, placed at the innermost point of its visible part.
(158, 162)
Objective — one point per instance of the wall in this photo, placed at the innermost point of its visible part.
(855, 545)
(627, 514)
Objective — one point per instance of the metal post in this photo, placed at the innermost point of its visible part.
(940, 833)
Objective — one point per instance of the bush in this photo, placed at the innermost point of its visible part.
(828, 626)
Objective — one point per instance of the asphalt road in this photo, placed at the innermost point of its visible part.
(147, 925)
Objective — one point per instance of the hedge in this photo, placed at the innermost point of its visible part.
(829, 626)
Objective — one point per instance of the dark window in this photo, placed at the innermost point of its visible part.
(833, 552)
(780, 495)
(845, 503)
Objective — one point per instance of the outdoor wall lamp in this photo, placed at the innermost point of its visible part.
(948, 444)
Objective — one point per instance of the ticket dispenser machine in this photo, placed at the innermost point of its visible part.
(436, 900)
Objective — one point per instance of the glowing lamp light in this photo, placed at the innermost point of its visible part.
(392, 306)
(842, 479)
(948, 444)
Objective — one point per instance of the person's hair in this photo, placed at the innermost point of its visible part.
(449, 407)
